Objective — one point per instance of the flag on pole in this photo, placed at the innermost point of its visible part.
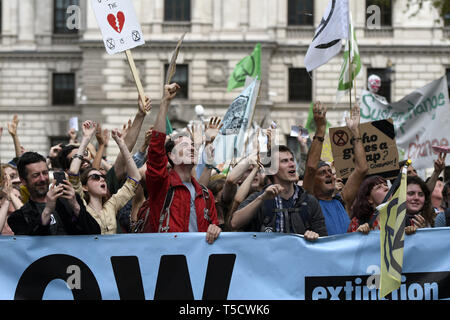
(327, 39)
(229, 142)
(250, 66)
(351, 53)
(310, 124)
(392, 233)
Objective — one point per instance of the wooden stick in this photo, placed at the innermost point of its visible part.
(350, 71)
(135, 74)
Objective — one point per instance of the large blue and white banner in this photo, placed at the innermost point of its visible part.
(249, 266)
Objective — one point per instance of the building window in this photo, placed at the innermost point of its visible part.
(60, 16)
(177, 10)
(182, 78)
(63, 89)
(385, 11)
(300, 12)
(385, 77)
(300, 85)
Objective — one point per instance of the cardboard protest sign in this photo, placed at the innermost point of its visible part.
(421, 120)
(119, 24)
(378, 138)
(121, 31)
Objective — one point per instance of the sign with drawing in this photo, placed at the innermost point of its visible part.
(119, 24)
(378, 138)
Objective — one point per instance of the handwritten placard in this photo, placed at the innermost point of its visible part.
(378, 138)
(119, 24)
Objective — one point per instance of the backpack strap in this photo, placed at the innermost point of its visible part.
(165, 211)
(207, 211)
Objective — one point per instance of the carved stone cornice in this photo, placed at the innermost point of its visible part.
(41, 55)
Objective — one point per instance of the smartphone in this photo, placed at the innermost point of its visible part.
(59, 176)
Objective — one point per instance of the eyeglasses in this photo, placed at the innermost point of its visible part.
(96, 177)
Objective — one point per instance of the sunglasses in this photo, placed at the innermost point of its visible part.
(96, 177)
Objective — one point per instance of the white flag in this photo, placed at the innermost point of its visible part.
(327, 39)
(229, 142)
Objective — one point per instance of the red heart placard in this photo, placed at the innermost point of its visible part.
(116, 22)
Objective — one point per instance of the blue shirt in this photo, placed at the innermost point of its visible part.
(336, 218)
(193, 227)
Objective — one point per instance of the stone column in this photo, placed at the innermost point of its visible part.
(26, 19)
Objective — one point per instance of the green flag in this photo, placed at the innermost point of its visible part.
(350, 52)
(249, 66)
(310, 124)
(169, 129)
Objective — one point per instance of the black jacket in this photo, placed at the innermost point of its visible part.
(27, 220)
(306, 214)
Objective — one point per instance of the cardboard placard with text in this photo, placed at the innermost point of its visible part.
(119, 25)
(378, 138)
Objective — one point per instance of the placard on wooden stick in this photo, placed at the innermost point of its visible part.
(121, 31)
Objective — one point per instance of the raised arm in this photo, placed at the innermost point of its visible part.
(439, 165)
(12, 129)
(132, 135)
(170, 91)
(355, 179)
(88, 128)
(132, 170)
(315, 151)
(102, 139)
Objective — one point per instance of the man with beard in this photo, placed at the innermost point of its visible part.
(57, 210)
(282, 206)
(320, 181)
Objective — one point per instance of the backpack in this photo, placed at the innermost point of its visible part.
(143, 215)
(447, 217)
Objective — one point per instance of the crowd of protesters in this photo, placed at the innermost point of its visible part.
(164, 188)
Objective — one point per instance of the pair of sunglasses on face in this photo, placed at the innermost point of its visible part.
(96, 177)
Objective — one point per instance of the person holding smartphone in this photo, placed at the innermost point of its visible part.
(51, 209)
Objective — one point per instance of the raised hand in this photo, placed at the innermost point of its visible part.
(12, 126)
(170, 90)
(212, 129)
(320, 115)
(89, 128)
(117, 135)
(72, 135)
(353, 121)
(439, 164)
(145, 108)
(55, 150)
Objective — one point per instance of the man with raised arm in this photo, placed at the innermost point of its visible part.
(320, 181)
(176, 201)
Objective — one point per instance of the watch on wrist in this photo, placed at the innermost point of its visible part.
(321, 139)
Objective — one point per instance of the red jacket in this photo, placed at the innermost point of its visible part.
(158, 179)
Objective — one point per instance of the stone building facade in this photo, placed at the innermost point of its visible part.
(38, 59)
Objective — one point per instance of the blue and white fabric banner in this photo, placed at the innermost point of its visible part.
(249, 266)
(229, 142)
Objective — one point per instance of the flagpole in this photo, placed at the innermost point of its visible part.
(350, 71)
